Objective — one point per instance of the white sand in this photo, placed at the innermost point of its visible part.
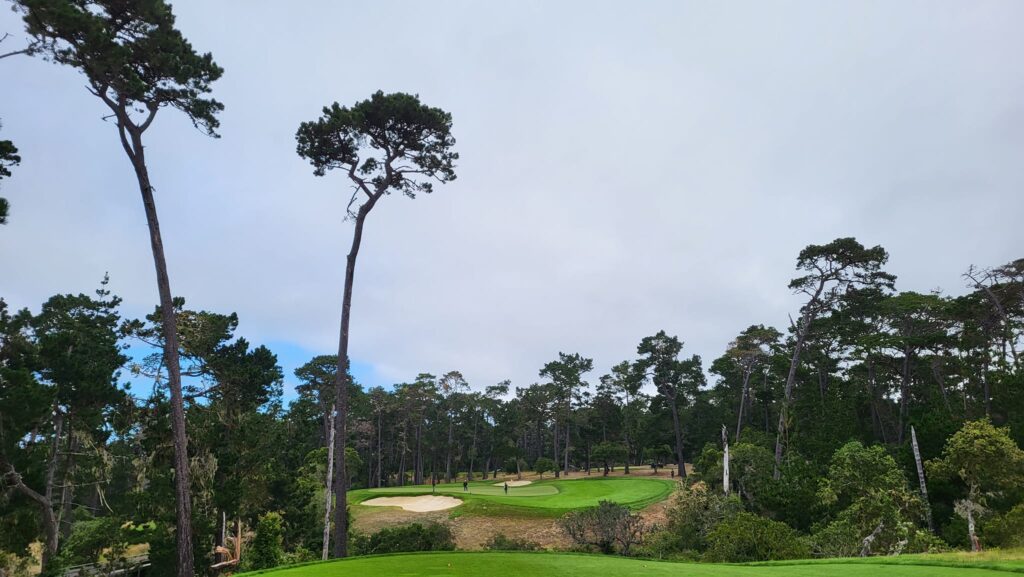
(514, 484)
(423, 504)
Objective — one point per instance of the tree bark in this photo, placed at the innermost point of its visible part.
(327, 489)
(794, 363)
(904, 396)
(131, 140)
(801, 336)
(554, 450)
(342, 380)
(448, 452)
(865, 545)
(67, 493)
(975, 543)
(681, 464)
(725, 461)
(565, 451)
(743, 398)
(920, 478)
(380, 454)
(940, 381)
(418, 465)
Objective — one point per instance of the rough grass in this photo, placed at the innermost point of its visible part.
(568, 565)
(549, 498)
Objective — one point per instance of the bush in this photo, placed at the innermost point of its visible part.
(696, 511)
(405, 539)
(924, 541)
(748, 537)
(605, 527)
(500, 542)
(543, 465)
(1008, 530)
(299, 555)
(267, 549)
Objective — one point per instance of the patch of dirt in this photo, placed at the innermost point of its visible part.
(373, 521)
(472, 533)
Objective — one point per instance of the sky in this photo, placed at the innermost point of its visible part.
(625, 168)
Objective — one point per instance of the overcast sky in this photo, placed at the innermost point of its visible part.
(625, 167)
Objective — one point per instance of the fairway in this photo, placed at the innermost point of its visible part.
(562, 565)
(551, 496)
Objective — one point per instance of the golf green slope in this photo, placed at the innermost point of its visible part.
(562, 565)
(552, 497)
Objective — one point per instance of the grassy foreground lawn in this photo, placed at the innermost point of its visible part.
(565, 565)
(542, 498)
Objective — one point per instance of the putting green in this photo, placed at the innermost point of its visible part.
(562, 565)
(550, 497)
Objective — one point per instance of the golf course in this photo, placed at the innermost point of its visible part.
(540, 498)
(572, 565)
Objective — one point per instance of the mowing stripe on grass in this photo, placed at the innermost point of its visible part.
(471, 564)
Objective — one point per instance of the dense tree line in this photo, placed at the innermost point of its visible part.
(876, 372)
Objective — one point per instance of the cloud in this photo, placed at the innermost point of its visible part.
(624, 170)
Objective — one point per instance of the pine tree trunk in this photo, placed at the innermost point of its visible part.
(904, 397)
(418, 465)
(565, 452)
(182, 485)
(380, 455)
(448, 453)
(554, 450)
(679, 437)
(743, 398)
(794, 363)
(801, 335)
(342, 381)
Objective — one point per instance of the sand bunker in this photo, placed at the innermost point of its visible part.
(514, 484)
(423, 504)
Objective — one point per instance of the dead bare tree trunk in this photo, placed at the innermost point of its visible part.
(725, 461)
(920, 478)
(865, 545)
(327, 490)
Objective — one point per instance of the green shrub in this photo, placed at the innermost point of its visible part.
(924, 541)
(405, 539)
(1007, 530)
(267, 549)
(543, 465)
(748, 537)
(607, 527)
(500, 542)
(696, 511)
(299, 555)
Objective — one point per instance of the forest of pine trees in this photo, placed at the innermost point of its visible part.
(87, 458)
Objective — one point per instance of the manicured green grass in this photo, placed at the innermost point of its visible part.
(542, 498)
(565, 565)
